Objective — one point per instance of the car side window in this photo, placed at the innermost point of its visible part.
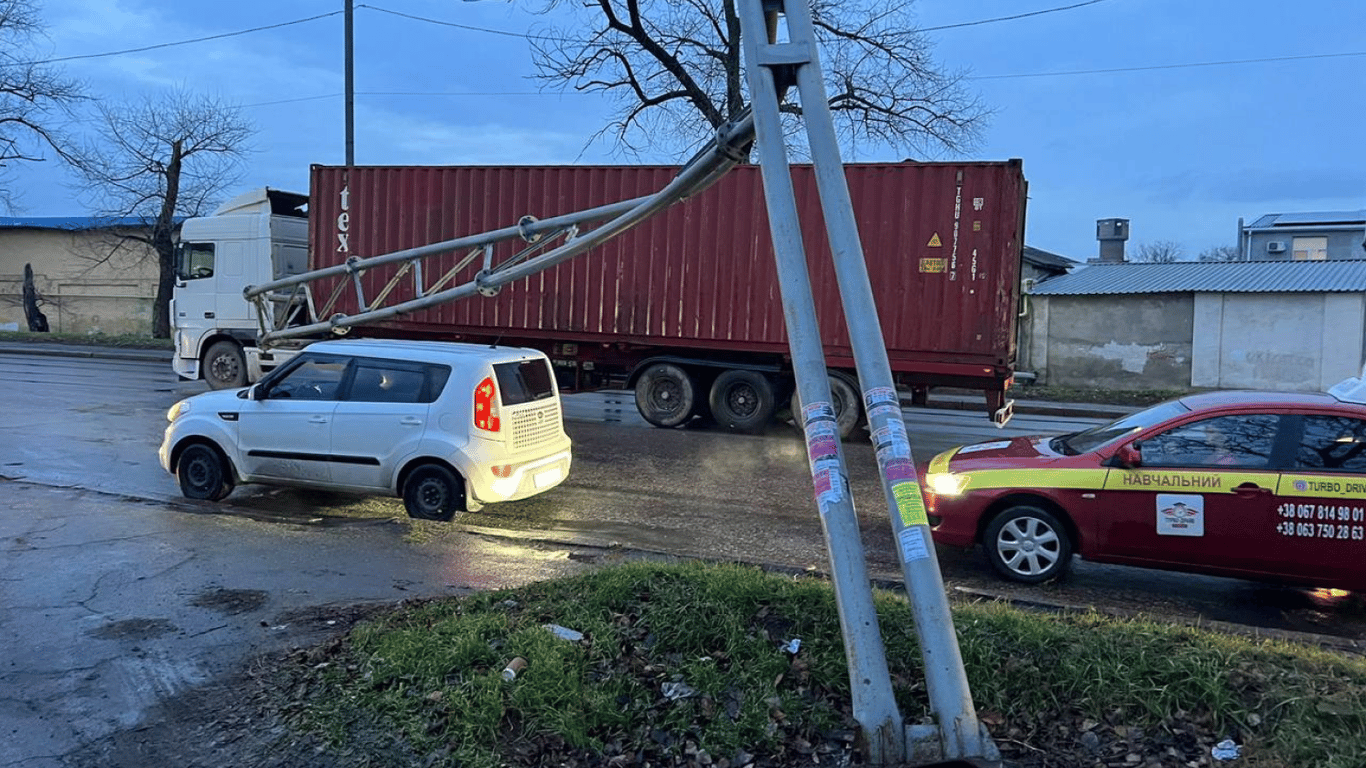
(1332, 442)
(313, 379)
(1238, 440)
(376, 382)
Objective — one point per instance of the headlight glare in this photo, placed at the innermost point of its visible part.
(946, 483)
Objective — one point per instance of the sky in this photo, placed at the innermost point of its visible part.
(1179, 115)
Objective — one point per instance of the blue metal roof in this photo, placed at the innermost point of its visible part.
(1342, 276)
(74, 223)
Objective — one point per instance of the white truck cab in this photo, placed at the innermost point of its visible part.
(254, 238)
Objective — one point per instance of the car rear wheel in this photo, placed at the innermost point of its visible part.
(204, 474)
(1028, 544)
(433, 492)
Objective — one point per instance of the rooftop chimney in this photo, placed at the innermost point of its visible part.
(1111, 233)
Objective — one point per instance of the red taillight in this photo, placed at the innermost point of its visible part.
(486, 405)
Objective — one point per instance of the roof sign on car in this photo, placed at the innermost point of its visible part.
(1351, 389)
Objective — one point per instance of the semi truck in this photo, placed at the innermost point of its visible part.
(683, 309)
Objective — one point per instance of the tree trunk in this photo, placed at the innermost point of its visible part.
(164, 245)
(37, 321)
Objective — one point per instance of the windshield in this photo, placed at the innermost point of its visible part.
(1104, 434)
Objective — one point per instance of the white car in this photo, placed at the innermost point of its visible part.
(448, 427)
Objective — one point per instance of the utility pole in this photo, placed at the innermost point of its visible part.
(350, 88)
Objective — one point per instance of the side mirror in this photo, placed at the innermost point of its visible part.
(1128, 456)
(256, 392)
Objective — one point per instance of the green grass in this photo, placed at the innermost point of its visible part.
(94, 339)
(423, 683)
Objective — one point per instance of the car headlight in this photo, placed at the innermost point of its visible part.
(945, 483)
(179, 409)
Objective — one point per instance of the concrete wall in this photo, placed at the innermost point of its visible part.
(83, 294)
(1277, 340)
(1110, 342)
(1343, 243)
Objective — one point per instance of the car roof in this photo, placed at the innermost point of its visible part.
(1225, 398)
(426, 351)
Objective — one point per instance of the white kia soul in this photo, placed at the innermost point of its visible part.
(448, 427)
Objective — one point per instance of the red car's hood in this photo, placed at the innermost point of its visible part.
(987, 455)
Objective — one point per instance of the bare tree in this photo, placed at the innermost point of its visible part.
(1221, 253)
(673, 68)
(161, 160)
(31, 94)
(1158, 252)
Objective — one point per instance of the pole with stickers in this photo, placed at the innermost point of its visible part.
(772, 67)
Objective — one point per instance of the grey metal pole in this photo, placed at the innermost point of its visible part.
(350, 87)
(874, 705)
(950, 699)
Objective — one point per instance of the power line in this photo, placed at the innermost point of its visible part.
(1152, 67)
(521, 35)
(185, 42)
(1010, 18)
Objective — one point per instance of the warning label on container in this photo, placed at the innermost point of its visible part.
(935, 242)
(933, 266)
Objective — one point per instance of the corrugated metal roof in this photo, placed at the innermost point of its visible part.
(73, 223)
(1312, 218)
(1210, 277)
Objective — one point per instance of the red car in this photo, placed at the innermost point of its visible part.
(1254, 485)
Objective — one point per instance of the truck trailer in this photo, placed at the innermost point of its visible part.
(683, 309)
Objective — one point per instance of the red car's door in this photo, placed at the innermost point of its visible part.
(1203, 497)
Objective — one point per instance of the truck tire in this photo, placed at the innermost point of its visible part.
(665, 395)
(844, 398)
(225, 367)
(742, 401)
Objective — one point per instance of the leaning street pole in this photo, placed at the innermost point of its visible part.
(770, 67)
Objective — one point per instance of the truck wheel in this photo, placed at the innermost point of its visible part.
(844, 398)
(203, 474)
(224, 366)
(742, 400)
(1027, 544)
(665, 395)
(433, 492)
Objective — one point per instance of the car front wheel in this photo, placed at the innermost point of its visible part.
(1028, 544)
(203, 474)
(433, 492)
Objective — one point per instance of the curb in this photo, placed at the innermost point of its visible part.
(74, 350)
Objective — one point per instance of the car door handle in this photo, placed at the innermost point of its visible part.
(319, 419)
(1250, 490)
(413, 420)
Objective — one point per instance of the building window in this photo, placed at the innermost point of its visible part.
(1310, 248)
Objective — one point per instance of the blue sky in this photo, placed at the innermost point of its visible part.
(1181, 151)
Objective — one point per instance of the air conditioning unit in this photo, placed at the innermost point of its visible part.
(1275, 246)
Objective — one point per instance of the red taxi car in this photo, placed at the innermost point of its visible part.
(1254, 485)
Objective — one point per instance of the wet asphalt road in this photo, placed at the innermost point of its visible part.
(114, 591)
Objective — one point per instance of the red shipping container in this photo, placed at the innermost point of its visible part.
(942, 242)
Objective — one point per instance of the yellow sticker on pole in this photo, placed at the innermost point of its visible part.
(910, 504)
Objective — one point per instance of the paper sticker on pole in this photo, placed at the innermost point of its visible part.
(879, 396)
(913, 546)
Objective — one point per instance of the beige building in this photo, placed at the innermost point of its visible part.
(90, 277)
